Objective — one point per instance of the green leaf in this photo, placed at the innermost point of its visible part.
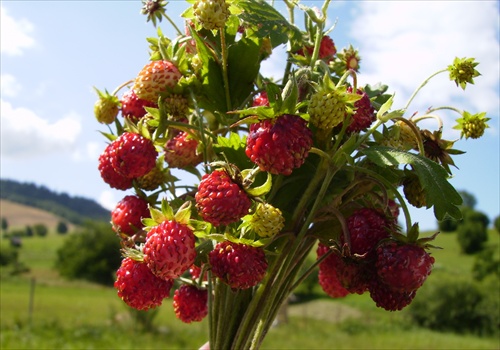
(440, 194)
(384, 109)
(262, 189)
(233, 148)
(267, 21)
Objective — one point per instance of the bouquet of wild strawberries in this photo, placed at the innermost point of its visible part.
(308, 162)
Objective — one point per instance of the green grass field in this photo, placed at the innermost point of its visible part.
(81, 315)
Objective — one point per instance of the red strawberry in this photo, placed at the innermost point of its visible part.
(364, 114)
(238, 265)
(190, 303)
(403, 267)
(327, 277)
(220, 200)
(133, 106)
(260, 99)
(327, 49)
(367, 227)
(387, 298)
(128, 213)
(169, 249)
(279, 145)
(138, 287)
(180, 151)
(154, 78)
(109, 174)
(134, 155)
(195, 272)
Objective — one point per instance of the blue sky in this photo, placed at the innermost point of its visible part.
(54, 52)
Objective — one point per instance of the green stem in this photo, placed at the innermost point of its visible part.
(224, 68)
(421, 86)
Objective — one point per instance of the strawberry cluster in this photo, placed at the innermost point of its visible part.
(233, 177)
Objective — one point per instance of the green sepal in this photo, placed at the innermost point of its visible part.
(382, 114)
(260, 190)
(183, 215)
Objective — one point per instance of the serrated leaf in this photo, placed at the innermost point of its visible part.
(156, 215)
(440, 194)
(167, 210)
(183, 215)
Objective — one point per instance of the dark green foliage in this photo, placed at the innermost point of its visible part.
(457, 305)
(40, 230)
(448, 225)
(8, 256)
(5, 224)
(74, 209)
(29, 231)
(471, 236)
(92, 254)
(486, 264)
(62, 228)
(470, 215)
(496, 223)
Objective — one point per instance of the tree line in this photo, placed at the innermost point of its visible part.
(74, 209)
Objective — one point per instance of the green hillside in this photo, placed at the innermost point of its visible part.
(74, 209)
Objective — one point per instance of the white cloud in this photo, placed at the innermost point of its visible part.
(107, 200)
(15, 34)
(402, 42)
(9, 85)
(25, 134)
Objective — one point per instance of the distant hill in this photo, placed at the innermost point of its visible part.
(74, 209)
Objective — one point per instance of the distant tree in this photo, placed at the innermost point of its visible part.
(471, 236)
(448, 225)
(92, 254)
(62, 228)
(496, 223)
(29, 231)
(486, 263)
(468, 199)
(471, 215)
(41, 230)
(5, 224)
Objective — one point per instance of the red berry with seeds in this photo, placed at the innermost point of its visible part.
(328, 278)
(279, 145)
(403, 267)
(109, 174)
(190, 303)
(138, 287)
(260, 99)
(238, 265)
(128, 214)
(367, 227)
(154, 78)
(220, 200)
(133, 106)
(364, 114)
(133, 155)
(387, 298)
(169, 249)
(181, 151)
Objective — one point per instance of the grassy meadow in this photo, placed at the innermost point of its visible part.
(79, 315)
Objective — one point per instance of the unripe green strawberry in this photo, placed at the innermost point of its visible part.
(413, 191)
(463, 71)
(152, 180)
(212, 14)
(106, 108)
(267, 220)
(327, 109)
(154, 78)
(177, 106)
(472, 125)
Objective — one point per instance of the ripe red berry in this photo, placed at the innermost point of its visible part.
(109, 174)
(387, 298)
(403, 267)
(327, 277)
(133, 107)
(238, 265)
(367, 227)
(364, 114)
(279, 145)
(138, 287)
(260, 99)
(220, 200)
(128, 214)
(169, 249)
(190, 303)
(180, 151)
(134, 155)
